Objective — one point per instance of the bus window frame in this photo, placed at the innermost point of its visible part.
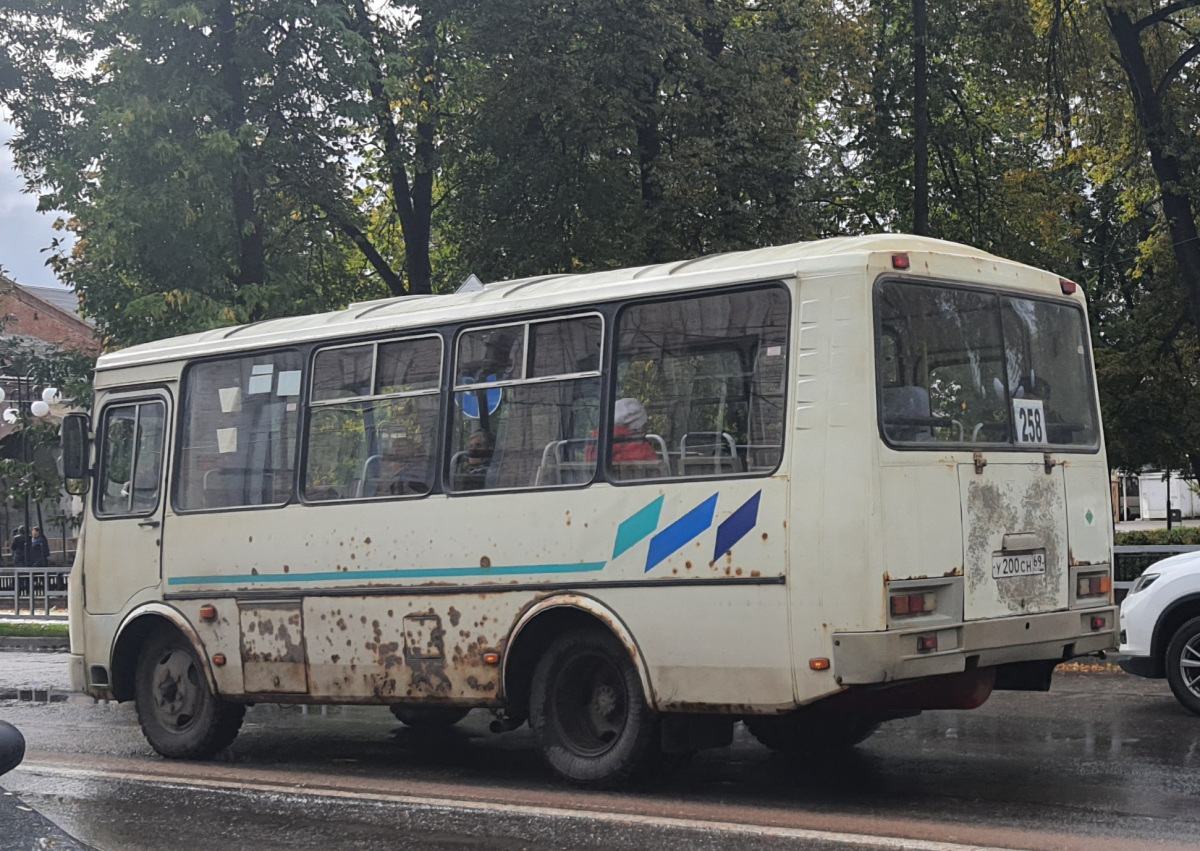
(316, 349)
(604, 459)
(305, 353)
(1008, 446)
(155, 394)
(603, 311)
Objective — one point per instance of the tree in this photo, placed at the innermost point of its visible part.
(596, 134)
(218, 157)
(1158, 51)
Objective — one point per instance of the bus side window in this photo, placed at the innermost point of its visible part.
(131, 459)
(238, 431)
(373, 428)
(526, 404)
(710, 372)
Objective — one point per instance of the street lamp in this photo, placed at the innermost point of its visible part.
(39, 408)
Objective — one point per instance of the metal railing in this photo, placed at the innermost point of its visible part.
(39, 592)
(1131, 561)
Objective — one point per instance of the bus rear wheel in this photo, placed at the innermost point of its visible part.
(179, 714)
(588, 711)
(800, 733)
(429, 717)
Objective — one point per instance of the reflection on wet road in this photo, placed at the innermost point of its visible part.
(1102, 761)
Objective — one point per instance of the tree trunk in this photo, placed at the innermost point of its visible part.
(1161, 140)
(920, 120)
(247, 221)
(414, 201)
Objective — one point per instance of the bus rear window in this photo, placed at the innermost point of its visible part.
(956, 365)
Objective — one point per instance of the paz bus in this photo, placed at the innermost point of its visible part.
(812, 487)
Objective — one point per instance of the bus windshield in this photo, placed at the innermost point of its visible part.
(957, 365)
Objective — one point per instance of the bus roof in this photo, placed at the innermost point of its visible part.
(544, 292)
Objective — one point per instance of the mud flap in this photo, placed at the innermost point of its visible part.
(684, 733)
(1026, 676)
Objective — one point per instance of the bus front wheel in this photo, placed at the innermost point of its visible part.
(588, 711)
(179, 714)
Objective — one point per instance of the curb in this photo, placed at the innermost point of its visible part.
(34, 694)
(35, 643)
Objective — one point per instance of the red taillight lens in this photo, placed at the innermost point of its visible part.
(927, 643)
(913, 604)
(900, 261)
(1068, 287)
(1098, 622)
(1093, 586)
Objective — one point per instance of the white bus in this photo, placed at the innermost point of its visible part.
(813, 487)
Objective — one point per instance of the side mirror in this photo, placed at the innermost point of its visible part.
(75, 452)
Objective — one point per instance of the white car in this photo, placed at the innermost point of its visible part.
(1160, 626)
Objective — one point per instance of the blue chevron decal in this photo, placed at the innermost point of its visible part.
(736, 525)
(683, 530)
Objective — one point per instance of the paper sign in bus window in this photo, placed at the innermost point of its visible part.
(226, 440)
(289, 383)
(1030, 420)
(260, 379)
(231, 399)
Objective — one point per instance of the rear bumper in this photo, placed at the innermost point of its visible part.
(1140, 666)
(875, 657)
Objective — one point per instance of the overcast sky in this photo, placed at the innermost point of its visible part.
(23, 230)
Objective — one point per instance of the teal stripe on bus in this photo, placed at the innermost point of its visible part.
(419, 573)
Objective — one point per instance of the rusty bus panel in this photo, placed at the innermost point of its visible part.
(393, 650)
(272, 648)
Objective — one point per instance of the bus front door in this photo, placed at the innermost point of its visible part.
(128, 503)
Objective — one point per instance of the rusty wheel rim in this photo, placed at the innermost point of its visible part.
(591, 705)
(178, 690)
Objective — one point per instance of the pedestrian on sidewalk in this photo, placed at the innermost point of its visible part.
(37, 551)
(20, 546)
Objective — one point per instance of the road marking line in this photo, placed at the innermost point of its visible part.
(889, 843)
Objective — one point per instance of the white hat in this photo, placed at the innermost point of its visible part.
(630, 414)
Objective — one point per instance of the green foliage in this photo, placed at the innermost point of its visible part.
(604, 134)
(1176, 536)
(34, 630)
(224, 161)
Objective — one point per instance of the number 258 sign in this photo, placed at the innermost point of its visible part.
(1030, 420)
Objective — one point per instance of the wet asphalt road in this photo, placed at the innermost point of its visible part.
(1104, 761)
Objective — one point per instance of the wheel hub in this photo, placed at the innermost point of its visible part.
(1189, 665)
(176, 689)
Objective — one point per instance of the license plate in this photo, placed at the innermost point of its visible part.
(1018, 564)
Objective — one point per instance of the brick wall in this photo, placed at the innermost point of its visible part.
(33, 317)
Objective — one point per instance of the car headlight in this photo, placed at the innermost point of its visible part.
(1144, 581)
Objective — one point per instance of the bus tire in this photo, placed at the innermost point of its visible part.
(429, 717)
(178, 712)
(799, 733)
(589, 713)
(1183, 665)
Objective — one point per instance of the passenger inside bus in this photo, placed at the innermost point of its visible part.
(471, 466)
(629, 419)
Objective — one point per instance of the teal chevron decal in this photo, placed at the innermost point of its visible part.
(637, 527)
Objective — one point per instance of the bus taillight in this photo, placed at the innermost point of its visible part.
(913, 604)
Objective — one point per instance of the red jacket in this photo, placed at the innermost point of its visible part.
(625, 450)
